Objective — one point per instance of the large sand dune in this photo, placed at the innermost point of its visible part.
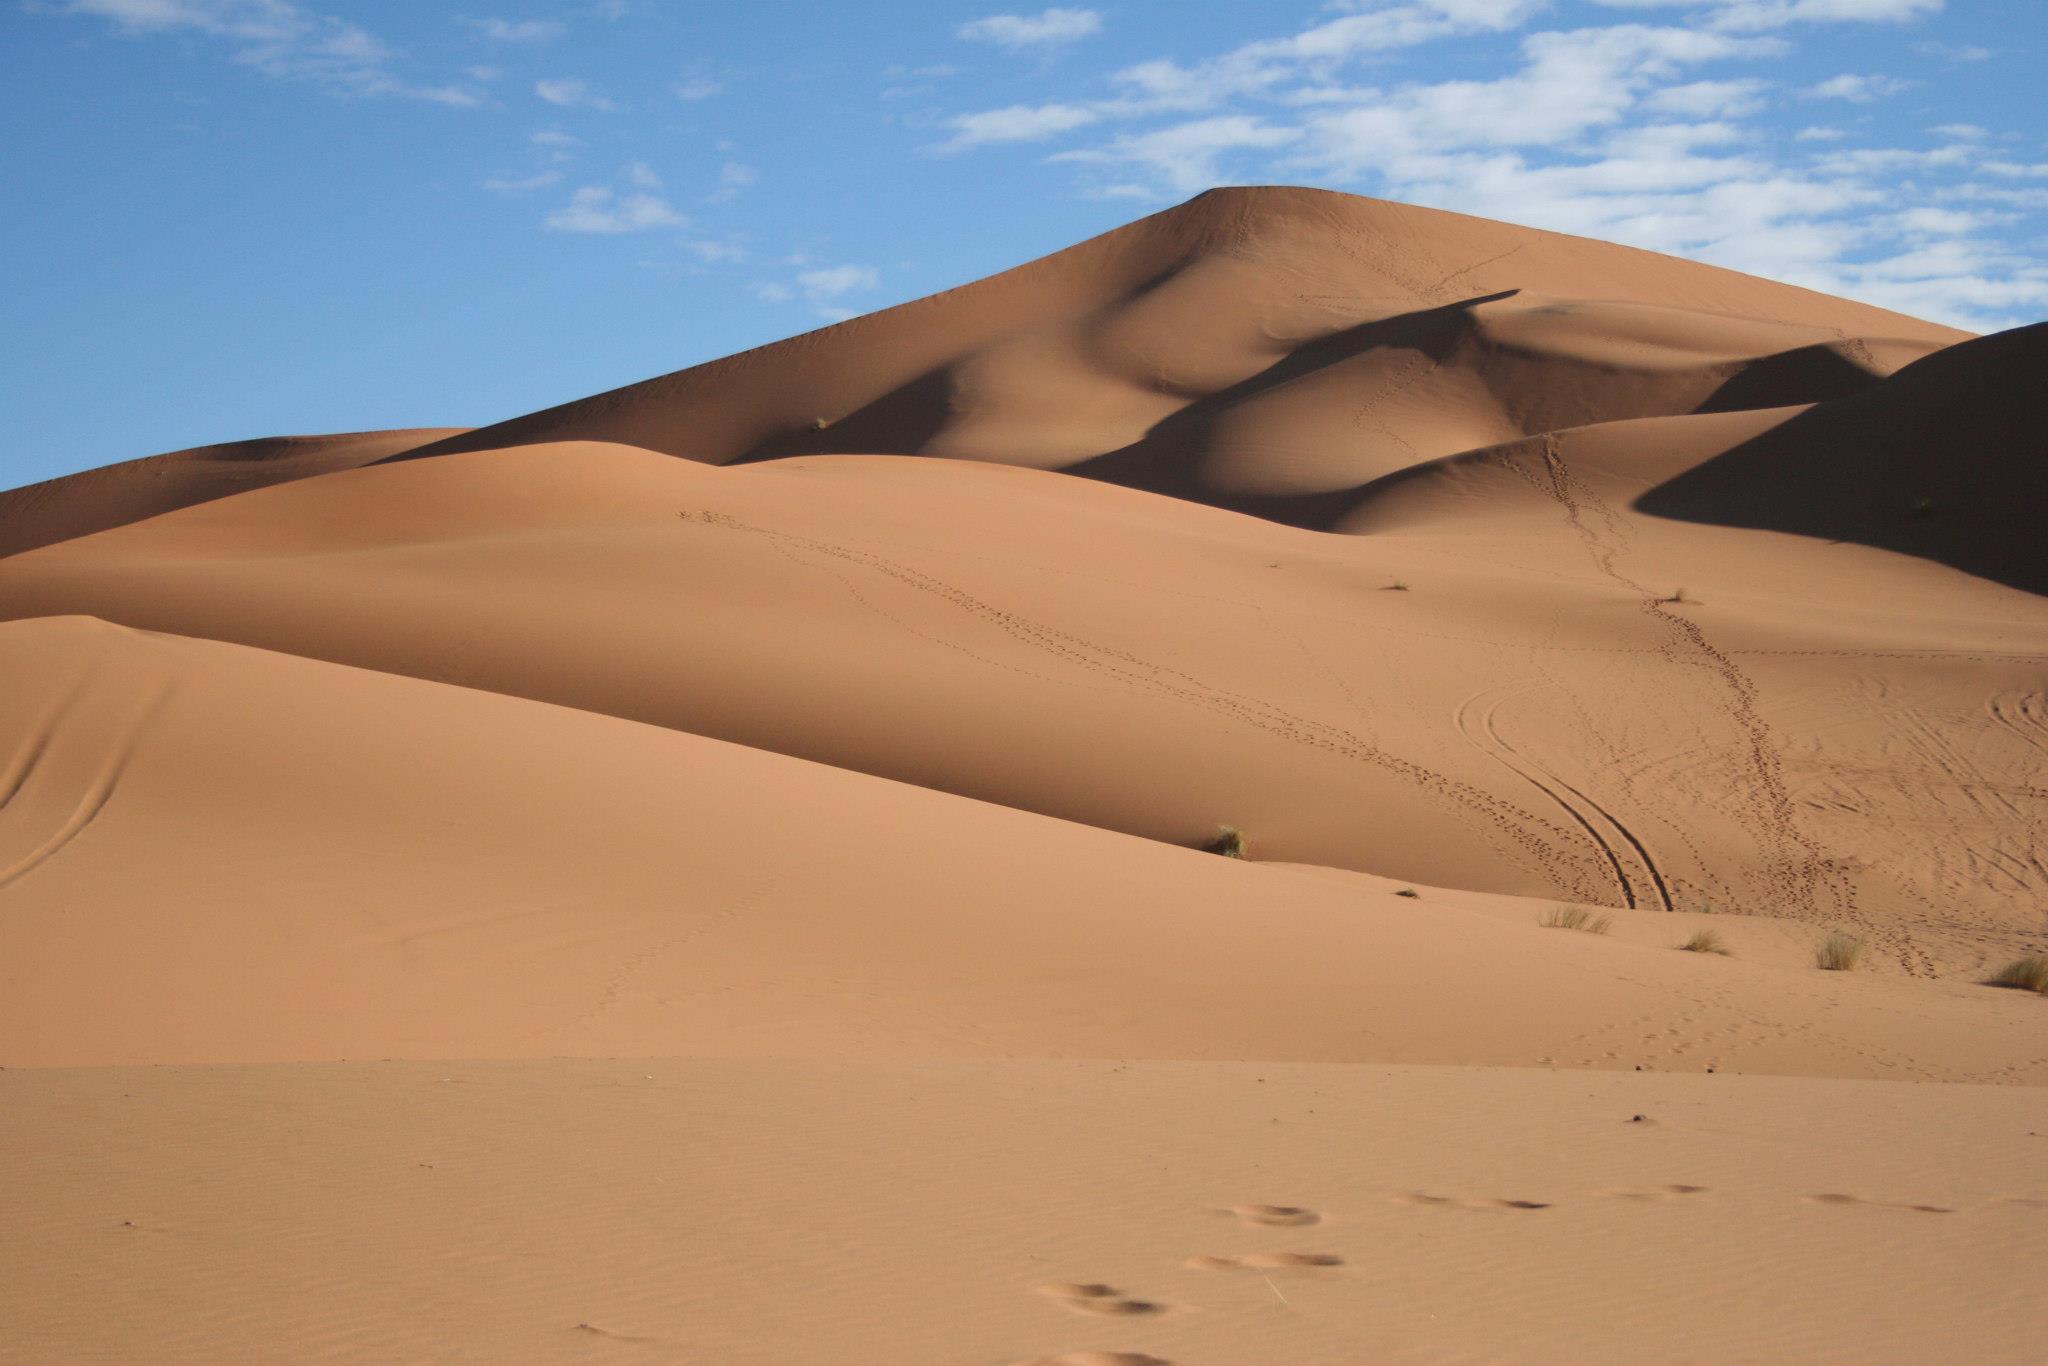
(806, 705)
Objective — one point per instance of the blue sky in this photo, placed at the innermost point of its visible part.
(233, 218)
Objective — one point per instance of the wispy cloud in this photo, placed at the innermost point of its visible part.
(1017, 123)
(825, 288)
(1857, 89)
(734, 177)
(571, 92)
(1048, 28)
(1619, 130)
(602, 209)
(518, 30)
(282, 40)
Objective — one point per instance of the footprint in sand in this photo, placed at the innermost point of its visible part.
(1266, 1261)
(1878, 1204)
(1277, 1216)
(1656, 1193)
(1092, 1297)
(1454, 1202)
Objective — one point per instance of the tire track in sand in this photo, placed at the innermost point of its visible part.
(1565, 869)
(1795, 866)
(1486, 738)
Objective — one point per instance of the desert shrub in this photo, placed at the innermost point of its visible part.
(2025, 974)
(1705, 941)
(1576, 918)
(1838, 952)
(1229, 842)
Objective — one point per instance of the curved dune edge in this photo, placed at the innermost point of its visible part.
(477, 875)
(1531, 717)
(77, 505)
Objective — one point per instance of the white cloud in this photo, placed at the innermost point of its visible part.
(690, 89)
(1968, 132)
(1754, 15)
(518, 30)
(716, 253)
(733, 178)
(1708, 99)
(1819, 134)
(832, 281)
(282, 40)
(1017, 123)
(1048, 28)
(823, 287)
(600, 209)
(1187, 156)
(571, 92)
(1857, 89)
(641, 176)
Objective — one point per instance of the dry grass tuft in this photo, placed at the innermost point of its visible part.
(1705, 941)
(1576, 918)
(1229, 842)
(2026, 974)
(1838, 952)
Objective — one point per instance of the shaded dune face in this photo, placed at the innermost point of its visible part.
(1262, 343)
(1562, 648)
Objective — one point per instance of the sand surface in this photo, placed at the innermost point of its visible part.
(786, 780)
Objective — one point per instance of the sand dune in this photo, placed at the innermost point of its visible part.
(80, 504)
(1528, 717)
(1261, 341)
(801, 727)
(475, 875)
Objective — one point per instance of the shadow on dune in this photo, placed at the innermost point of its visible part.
(1947, 460)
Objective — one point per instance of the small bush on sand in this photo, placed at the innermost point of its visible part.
(1838, 952)
(1576, 918)
(1229, 842)
(1397, 586)
(1408, 892)
(2027, 974)
(1705, 941)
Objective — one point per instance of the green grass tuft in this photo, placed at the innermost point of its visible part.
(1576, 918)
(1838, 952)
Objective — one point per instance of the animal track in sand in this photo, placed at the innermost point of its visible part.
(1266, 1261)
(1836, 1199)
(1093, 1297)
(1455, 1202)
(1277, 1216)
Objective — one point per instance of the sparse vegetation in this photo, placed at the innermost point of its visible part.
(1576, 918)
(1408, 891)
(2026, 974)
(1678, 595)
(820, 423)
(1229, 842)
(1705, 941)
(1397, 586)
(1838, 952)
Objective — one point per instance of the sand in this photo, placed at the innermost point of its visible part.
(784, 782)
